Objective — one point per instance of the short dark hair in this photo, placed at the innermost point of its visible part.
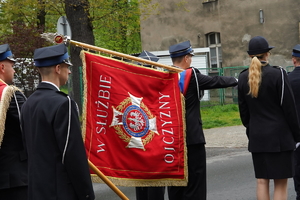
(45, 70)
(177, 59)
(297, 59)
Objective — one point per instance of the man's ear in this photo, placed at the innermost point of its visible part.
(57, 69)
(2, 67)
(186, 58)
(294, 60)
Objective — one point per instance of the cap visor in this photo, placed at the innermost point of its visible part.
(11, 59)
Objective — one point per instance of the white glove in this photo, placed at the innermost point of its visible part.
(297, 145)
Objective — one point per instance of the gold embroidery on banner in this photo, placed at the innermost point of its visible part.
(123, 135)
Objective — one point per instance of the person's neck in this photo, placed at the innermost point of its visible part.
(2, 81)
(51, 80)
(48, 82)
(264, 62)
(181, 66)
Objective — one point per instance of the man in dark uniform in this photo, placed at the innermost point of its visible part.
(57, 161)
(149, 193)
(181, 55)
(294, 78)
(13, 159)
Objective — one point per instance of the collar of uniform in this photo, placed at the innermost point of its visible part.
(51, 84)
(297, 69)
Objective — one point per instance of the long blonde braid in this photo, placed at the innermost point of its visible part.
(254, 77)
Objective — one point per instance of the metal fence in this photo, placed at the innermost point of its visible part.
(225, 95)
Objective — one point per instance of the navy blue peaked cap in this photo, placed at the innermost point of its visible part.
(258, 45)
(181, 49)
(148, 56)
(5, 53)
(53, 55)
(296, 51)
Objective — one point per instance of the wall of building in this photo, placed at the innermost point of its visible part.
(236, 20)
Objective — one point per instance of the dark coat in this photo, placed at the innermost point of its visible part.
(194, 132)
(13, 159)
(45, 118)
(270, 126)
(294, 78)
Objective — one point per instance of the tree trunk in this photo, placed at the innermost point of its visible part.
(77, 12)
(41, 16)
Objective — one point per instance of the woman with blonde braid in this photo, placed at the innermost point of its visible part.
(267, 110)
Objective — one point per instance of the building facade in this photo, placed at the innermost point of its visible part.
(225, 26)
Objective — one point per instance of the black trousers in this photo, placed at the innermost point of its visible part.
(16, 193)
(150, 193)
(196, 188)
(297, 172)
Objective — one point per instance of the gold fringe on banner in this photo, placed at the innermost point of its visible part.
(101, 178)
(142, 183)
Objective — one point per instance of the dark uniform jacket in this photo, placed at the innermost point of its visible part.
(58, 168)
(271, 126)
(294, 78)
(13, 159)
(192, 103)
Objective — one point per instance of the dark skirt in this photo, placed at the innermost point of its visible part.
(273, 165)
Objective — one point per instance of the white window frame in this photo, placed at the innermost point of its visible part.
(218, 47)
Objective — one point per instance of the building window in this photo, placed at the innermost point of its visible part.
(215, 56)
(206, 1)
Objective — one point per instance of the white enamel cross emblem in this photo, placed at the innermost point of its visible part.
(134, 122)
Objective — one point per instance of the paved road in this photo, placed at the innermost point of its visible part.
(230, 174)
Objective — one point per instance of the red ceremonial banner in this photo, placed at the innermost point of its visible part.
(133, 123)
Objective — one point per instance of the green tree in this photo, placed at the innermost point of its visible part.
(82, 30)
(117, 23)
(113, 24)
(23, 41)
(42, 13)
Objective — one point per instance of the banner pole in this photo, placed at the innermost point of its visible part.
(107, 181)
(140, 60)
(58, 38)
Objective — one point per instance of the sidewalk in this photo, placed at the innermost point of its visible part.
(232, 136)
